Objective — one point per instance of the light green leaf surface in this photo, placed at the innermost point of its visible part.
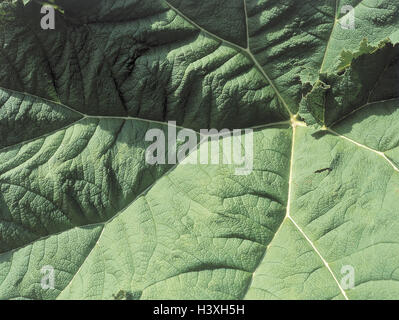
(77, 194)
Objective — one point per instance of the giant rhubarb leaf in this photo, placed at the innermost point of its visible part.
(76, 191)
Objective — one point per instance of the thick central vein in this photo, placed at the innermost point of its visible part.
(330, 37)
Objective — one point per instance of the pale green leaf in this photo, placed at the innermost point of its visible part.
(76, 191)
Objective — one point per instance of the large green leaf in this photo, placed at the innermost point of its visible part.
(76, 191)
